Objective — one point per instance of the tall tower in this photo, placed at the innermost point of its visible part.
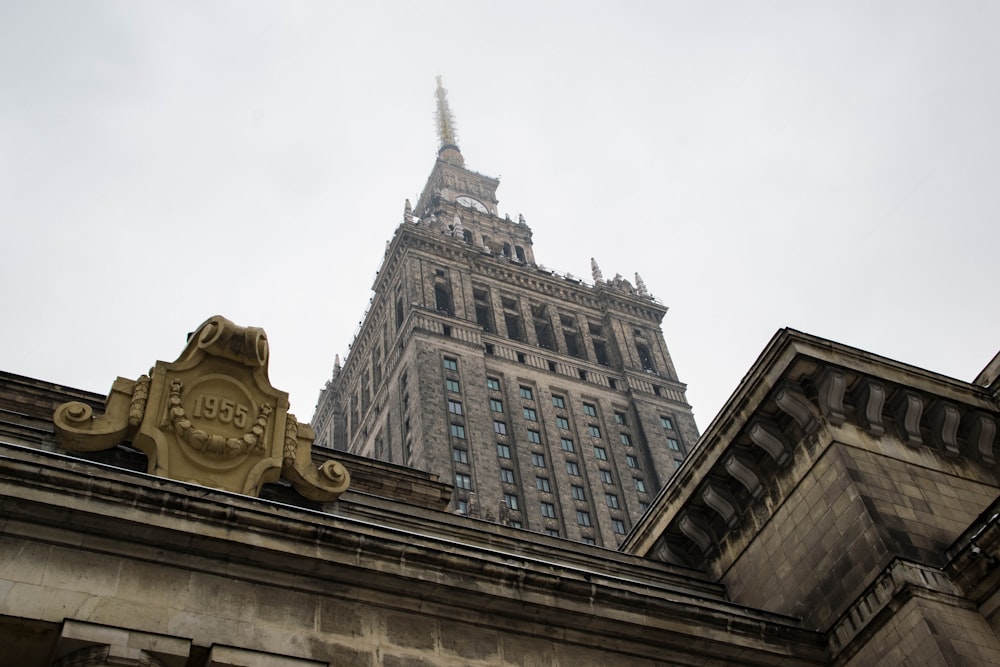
(550, 404)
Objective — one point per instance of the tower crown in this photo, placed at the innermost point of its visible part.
(447, 136)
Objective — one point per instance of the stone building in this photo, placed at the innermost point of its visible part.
(552, 405)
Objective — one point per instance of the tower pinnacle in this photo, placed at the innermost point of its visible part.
(447, 136)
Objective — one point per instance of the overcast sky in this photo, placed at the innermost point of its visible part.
(831, 167)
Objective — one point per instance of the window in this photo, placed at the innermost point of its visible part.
(452, 385)
(643, 506)
(572, 468)
(450, 364)
(640, 486)
(590, 541)
(506, 476)
(510, 500)
(463, 506)
(612, 500)
(534, 436)
(460, 455)
(493, 384)
(620, 418)
(631, 461)
(542, 484)
(500, 427)
(562, 423)
(673, 444)
(645, 358)
(594, 431)
(558, 401)
(578, 492)
(583, 518)
(530, 415)
(626, 439)
(618, 526)
(496, 405)
(526, 394)
(606, 477)
(458, 431)
(548, 510)
(442, 299)
(666, 422)
(503, 451)
(454, 407)
(463, 481)
(589, 410)
(552, 532)
(567, 444)
(515, 524)
(601, 453)
(538, 460)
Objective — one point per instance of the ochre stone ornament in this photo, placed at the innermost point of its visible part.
(211, 418)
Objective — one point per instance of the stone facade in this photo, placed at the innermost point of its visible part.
(553, 405)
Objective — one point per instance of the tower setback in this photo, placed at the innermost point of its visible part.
(550, 404)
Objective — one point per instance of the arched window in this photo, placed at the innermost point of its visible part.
(399, 311)
(519, 253)
(467, 235)
(506, 249)
(442, 299)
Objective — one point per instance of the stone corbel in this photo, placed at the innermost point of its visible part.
(766, 435)
(791, 401)
(695, 527)
(832, 385)
(944, 418)
(83, 644)
(741, 468)
(719, 499)
(982, 429)
(667, 554)
(870, 399)
(908, 408)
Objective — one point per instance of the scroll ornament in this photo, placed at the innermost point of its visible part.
(211, 418)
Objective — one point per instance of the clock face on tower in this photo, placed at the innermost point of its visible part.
(469, 202)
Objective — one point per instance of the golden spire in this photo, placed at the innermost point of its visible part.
(448, 151)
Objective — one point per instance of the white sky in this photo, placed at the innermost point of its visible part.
(830, 166)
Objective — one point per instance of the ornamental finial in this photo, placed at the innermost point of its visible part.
(445, 120)
(595, 270)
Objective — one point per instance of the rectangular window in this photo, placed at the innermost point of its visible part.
(506, 476)
(526, 394)
(460, 455)
(503, 451)
(589, 410)
(618, 526)
(631, 461)
(542, 484)
(548, 510)
(601, 453)
(620, 418)
(496, 405)
(590, 541)
(643, 506)
(510, 500)
(558, 401)
(500, 428)
(454, 407)
(572, 468)
(493, 384)
(567, 444)
(534, 436)
(583, 518)
(578, 492)
(515, 524)
(452, 385)
(450, 364)
(562, 423)
(612, 500)
(666, 422)
(594, 431)
(606, 477)
(458, 431)
(673, 444)
(463, 481)
(538, 460)
(530, 415)
(626, 439)
(640, 486)
(463, 507)
(552, 532)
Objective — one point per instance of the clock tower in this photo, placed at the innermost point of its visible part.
(548, 403)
